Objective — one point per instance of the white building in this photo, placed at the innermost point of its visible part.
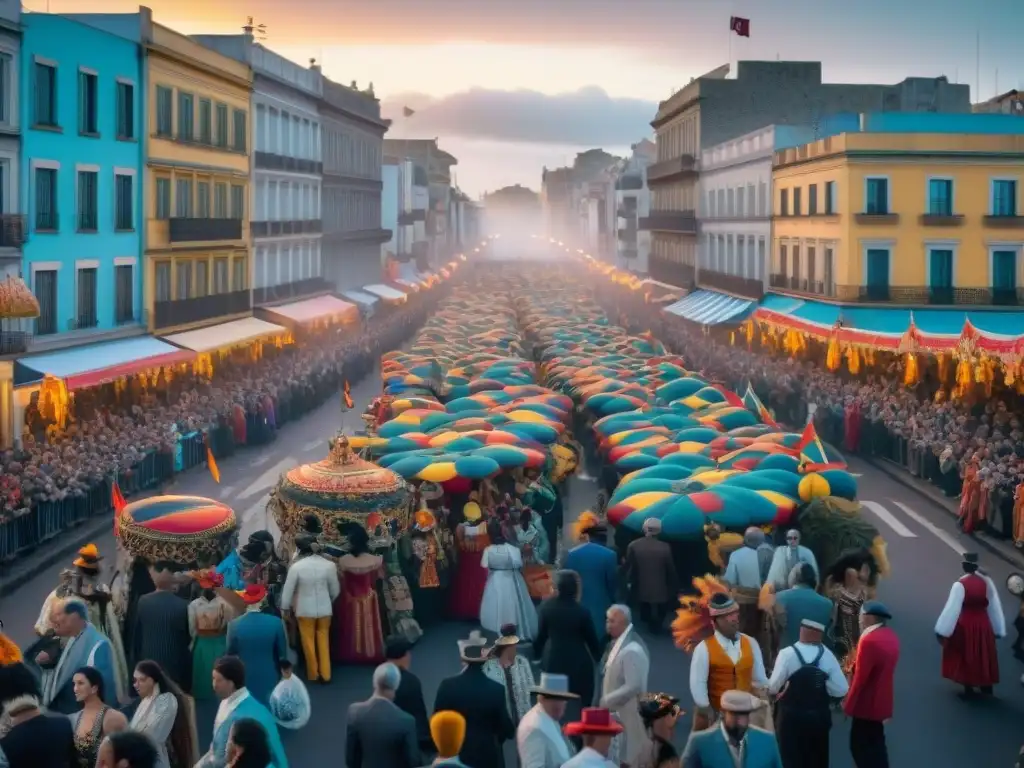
(632, 202)
(734, 214)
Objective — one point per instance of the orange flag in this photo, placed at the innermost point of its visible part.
(346, 395)
(118, 501)
(212, 464)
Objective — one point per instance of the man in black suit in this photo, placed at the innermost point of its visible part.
(379, 733)
(409, 696)
(161, 631)
(482, 702)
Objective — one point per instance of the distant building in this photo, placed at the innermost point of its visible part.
(436, 164)
(1009, 103)
(579, 202)
(515, 209)
(633, 202)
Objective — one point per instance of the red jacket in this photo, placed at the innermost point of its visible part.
(871, 692)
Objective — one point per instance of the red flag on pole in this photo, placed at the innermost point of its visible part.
(118, 501)
(739, 26)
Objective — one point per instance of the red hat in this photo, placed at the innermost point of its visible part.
(594, 721)
(210, 579)
(253, 594)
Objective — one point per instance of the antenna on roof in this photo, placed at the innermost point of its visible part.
(256, 31)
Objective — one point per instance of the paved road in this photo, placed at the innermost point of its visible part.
(932, 726)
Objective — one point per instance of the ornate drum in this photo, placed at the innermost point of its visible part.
(180, 529)
(340, 489)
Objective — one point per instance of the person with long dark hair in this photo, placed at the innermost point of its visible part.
(35, 739)
(248, 746)
(95, 721)
(358, 635)
(165, 715)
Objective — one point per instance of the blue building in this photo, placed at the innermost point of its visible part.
(82, 114)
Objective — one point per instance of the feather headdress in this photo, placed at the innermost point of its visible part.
(692, 624)
(10, 653)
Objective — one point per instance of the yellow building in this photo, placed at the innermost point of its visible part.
(198, 144)
(914, 210)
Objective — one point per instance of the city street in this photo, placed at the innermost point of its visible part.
(932, 725)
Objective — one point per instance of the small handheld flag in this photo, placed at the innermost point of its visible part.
(346, 396)
(117, 500)
(739, 26)
(212, 464)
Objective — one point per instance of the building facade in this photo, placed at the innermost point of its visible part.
(436, 165)
(352, 138)
(81, 179)
(712, 109)
(911, 209)
(12, 215)
(285, 221)
(633, 202)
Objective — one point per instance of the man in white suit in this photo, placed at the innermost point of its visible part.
(624, 680)
(312, 585)
(539, 737)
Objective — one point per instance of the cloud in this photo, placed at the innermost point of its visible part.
(588, 117)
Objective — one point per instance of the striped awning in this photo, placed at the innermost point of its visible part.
(711, 308)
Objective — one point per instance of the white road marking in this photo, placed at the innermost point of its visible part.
(320, 443)
(268, 478)
(259, 461)
(946, 538)
(889, 519)
(226, 491)
(857, 474)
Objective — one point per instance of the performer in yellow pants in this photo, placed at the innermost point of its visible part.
(309, 593)
(315, 635)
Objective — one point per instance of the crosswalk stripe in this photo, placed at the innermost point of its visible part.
(889, 519)
(259, 461)
(946, 538)
(320, 442)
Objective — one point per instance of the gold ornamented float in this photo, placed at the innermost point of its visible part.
(342, 488)
(187, 530)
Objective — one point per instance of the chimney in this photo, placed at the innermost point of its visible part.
(314, 67)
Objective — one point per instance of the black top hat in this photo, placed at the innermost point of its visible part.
(971, 558)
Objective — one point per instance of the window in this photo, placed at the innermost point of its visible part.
(85, 306)
(783, 202)
(44, 285)
(88, 201)
(940, 197)
(241, 138)
(163, 199)
(731, 205)
(797, 201)
(877, 197)
(878, 274)
(829, 277)
(220, 275)
(124, 202)
(186, 117)
(203, 200)
(163, 281)
(1004, 277)
(940, 275)
(183, 280)
(88, 103)
(125, 110)
(795, 259)
(751, 201)
(220, 201)
(830, 197)
(239, 281)
(124, 294)
(739, 202)
(812, 267)
(45, 95)
(812, 199)
(711, 203)
(783, 260)
(237, 201)
(7, 88)
(205, 121)
(222, 125)
(759, 266)
(202, 278)
(183, 199)
(1004, 197)
(46, 199)
(164, 111)
(762, 199)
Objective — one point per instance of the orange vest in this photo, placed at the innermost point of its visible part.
(723, 675)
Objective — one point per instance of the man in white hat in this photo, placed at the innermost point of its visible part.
(807, 676)
(539, 737)
(735, 741)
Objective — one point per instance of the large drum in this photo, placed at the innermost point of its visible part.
(187, 530)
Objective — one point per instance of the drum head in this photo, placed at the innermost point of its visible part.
(1015, 583)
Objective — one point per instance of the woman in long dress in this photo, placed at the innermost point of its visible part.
(467, 589)
(395, 598)
(166, 715)
(847, 585)
(208, 617)
(95, 720)
(506, 598)
(358, 636)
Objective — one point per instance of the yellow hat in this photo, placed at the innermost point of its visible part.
(448, 730)
(424, 520)
(472, 512)
(587, 521)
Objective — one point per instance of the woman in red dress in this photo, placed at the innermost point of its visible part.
(467, 588)
(358, 637)
(968, 628)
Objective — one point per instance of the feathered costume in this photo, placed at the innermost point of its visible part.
(831, 526)
(10, 654)
(692, 624)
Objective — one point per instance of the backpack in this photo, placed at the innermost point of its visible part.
(805, 691)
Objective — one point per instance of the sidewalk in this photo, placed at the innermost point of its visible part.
(1002, 548)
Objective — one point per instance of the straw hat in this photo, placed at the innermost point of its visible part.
(553, 687)
(508, 636)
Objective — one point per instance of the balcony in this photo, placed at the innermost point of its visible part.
(267, 161)
(14, 341)
(877, 219)
(411, 217)
(351, 235)
(204, 230)
(923, 295)
(1004, 222)
(1007, 297)
(630, 182)
(627, 234)
(671, 272)
(168, 314)
(285, 228)
(741, 286)
(295, 290)
(12, 230)
(941, 220)
(671, 170)
(670, 221)
(802, 285)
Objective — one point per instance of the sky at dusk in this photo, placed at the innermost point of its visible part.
(509, 86)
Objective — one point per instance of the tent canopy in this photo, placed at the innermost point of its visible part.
(711, 308)
(385, 292)
(318, 308)
(94, 364)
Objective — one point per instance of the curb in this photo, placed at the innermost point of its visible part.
(903, 479)
(49, 554)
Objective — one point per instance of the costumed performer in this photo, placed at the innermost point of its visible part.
(847, 585)
(737, 742)
(258, 639)
(659, 713)
(513, 671)
(426, 565)
(397, 610)
(358, 635)
(208, 618)
(869, 702)
(470, 577)
(723, 658)
(310, 590)
(506, 597)
(967, 630)
(597, 567)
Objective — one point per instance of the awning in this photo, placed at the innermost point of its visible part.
(711, 308)
(366, 300)
(412, 285)
(896, 328)
(318, 308)
(94, 364)
(232, 334)
(385, 292)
